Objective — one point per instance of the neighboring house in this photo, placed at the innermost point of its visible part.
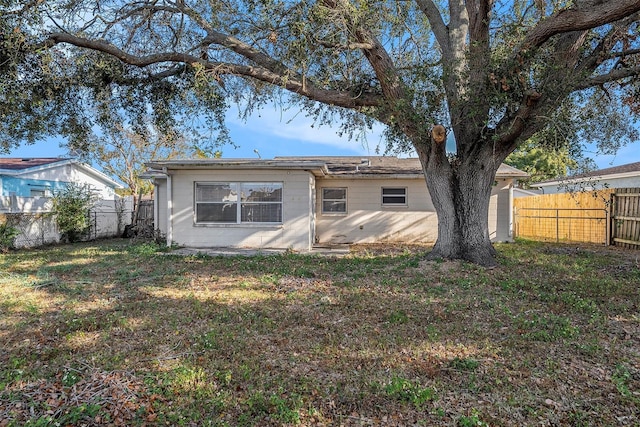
(299, 202)
(26, 183)
(521, 192)
(624, 176)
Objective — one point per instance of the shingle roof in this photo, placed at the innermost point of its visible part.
(383, 165)
(615, 170)
(336, 166)
(630, 167)
(20, 163)
(365, 165)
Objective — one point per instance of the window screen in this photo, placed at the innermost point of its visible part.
(235, 202)
(394, 196)
(334, 200)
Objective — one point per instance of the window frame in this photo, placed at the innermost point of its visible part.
(391, 204)
(38, 192)
(324, 199)
(240, 202)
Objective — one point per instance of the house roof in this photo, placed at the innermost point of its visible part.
(330, 166)
(23, 165)
(621, 171)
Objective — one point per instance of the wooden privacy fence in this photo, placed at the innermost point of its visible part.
(625, 218)
(610, 217)
(576, 217)
(145, 214)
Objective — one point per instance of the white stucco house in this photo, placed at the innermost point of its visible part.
(623, 176)
(299, 202)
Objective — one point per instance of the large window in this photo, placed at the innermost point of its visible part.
(334, 200)
(238, 202)
(394, 196)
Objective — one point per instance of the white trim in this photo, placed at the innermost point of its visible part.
(346, 201)
(237, 187)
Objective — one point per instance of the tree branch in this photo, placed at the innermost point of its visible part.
(348, 46)
(576, 19)
(438, 25)
(609, 77)
(507, 139)
(458, 27)
(305, 88)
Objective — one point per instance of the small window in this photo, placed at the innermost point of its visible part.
(334, 200)
(394, 197)
(37, 193)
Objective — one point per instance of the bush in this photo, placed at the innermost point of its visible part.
(71, 210)
(7, 236)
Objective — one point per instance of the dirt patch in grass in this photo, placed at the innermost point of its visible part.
(119, 334)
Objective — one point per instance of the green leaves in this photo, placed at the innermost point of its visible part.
(71, 210)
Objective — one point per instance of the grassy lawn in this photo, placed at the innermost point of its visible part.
(115, 333)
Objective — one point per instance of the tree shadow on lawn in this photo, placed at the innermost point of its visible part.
(364, 340)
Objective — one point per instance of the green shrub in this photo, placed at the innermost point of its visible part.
(71, 210)
(7, 236)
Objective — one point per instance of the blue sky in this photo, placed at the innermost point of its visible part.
(273, 133)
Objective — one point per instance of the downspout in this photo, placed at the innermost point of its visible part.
(156, 207)
(169, 207)
(511, 209)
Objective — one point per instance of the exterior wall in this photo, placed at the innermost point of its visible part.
(594, 184)
(500, 211)
(22, 187)
(368, 221)
(105, 192)
(519, 192)
(53, 179)
(295, 231)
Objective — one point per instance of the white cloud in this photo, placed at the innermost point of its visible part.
(270, 123)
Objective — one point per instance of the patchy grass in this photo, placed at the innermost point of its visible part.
(112, 333)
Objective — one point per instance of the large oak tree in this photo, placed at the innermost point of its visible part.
(490, 74)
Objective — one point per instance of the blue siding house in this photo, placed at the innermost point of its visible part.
(34, 178)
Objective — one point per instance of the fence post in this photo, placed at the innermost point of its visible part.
(609, 223)
(557, 225)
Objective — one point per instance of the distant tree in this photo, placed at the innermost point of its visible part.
(122, 152)
(541, 163)
(492, 73)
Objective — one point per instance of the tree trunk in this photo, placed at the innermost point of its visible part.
(460, 192)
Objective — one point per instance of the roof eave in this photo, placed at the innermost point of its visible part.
(589, 178)
(318, 168)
